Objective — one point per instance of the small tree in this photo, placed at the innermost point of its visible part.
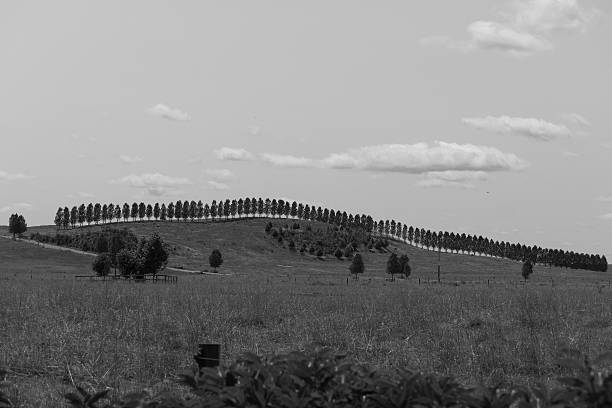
(128, 262)
(526, 270)
(102, 264)
(17, 225)
(393, 266)
(338, 253)
(404, 267)
(357, 266)
(215, 259)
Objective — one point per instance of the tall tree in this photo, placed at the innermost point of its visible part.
(66, 218)
(74, 216)
(59, 217)
(89, 213)
(273, 207)
(206, 211)
(247, 207)
(153, 255)
(200, 210)
(134, 212)
(240, 208)
(97, 213)
(171, 211)
(156, 211)
(233, 208)
(81, 214)
(104, 213)
(149, 212)
(526, 270)
(192, 212)
(178, 210)
(227, 208)
(213, 210)
(163, 212)
(142, 211)
(267, 208)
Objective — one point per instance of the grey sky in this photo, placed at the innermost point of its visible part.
(489, 117)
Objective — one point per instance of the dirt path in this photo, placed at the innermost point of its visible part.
(77, 251)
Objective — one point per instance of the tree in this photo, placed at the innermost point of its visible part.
(247, 207)
(97, 213)
(149, 212)
(134, 211)
(226, 209)
(213, 210)
(206, 211)
(128, 262)
(170, 211)
(101, 264)
(81, 214)
(66, 218)
(163, 212)
(240, 208)
(193, 210)
(153, 255)
(186, 209)
(200, 211)
(215, 259)
(178, 210)
(17, 225)
(74, 216)
(338, 253)
(104, 213)
(89, 213)
(118, 212)
(156, 211)
(357, 266)
(142, 211)
(393, 266)
(526, 270)
(59, 215)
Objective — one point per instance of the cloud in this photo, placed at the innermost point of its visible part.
(605, 199)
(286, 160)
(570, 154)
(412, 159)
(220, 174)
(130, 159)
(169, 113)
(154, 183)
(254, 130)
(530, 127)
(215, 185)
(6, 176)
(526, 28)
(16, 207)
(85, 195)
(421, 158)
(606, 216)
(233, 154)
(451, 178)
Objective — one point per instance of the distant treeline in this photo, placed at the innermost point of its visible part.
(252, 207)
(91, 241)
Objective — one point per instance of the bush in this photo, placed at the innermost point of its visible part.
(320, 253)
(128, 262)
(338, 253)
(101, 265)
(215, 259)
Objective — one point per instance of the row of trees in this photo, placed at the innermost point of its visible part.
(252, 207)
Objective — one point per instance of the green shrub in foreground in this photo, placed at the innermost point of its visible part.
(320, 378)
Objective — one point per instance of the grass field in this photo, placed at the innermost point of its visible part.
(56, 330)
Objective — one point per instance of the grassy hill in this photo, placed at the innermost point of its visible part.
(248, 250)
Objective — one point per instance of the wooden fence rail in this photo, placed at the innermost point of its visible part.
(142, 278)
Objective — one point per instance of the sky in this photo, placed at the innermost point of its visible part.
(484, 117)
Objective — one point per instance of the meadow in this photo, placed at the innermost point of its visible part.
(56, 331)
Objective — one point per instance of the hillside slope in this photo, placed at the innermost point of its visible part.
(247, 249)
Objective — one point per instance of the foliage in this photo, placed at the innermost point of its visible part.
(361, 228)
(526, 270)
(101, 264)
(357, 266)
(17, 225)
(215, 259)
(154, 256)
(319, 378)
(128, 262)
(394, 266)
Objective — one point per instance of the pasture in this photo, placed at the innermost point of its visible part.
(127, 336)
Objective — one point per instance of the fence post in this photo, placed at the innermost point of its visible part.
(209, 355)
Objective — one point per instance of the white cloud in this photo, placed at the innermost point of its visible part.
(570, 154)
(433, 182)
(286, 160)
(422, 158)
(85, 195)
(605, 199)
(234, 154)
(220, 174)
(167, 112)
(130, 159)
(215, 185)
(606, 216)
(526, 28)
(6, 176)
(16, 207)
(530, 127)
(154, 183)
(254, 130)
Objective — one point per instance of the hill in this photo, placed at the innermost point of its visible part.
(247, 249)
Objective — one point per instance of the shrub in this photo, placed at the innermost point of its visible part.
(338, 253)
(215, 259)
(128, 262)
(526, 270)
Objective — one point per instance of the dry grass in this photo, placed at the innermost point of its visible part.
(55, 330)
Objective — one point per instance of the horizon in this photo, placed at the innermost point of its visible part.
(487, 119)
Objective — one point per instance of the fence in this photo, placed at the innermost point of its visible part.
(140, 278)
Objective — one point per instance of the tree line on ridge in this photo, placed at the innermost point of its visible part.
(252, 207)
